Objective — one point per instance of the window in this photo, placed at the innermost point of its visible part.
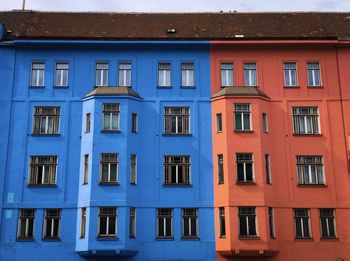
(133, 169)
(250, 74)
(187, 73)
(124, 74)
(86, 169)
(83, 223)
(101, 74)
(244, 163)
(164, 223)
(189, 223)
(26, 224)
(247, 222)
(177, 120)
(88, 122)
(290, 74)
(218, 122)
(222, 222)
(61, 74)
(242, 117)
(46, 120)
(302, 223)
(107, 222)
(132, 230)
(52, 223)
(305, 120)
(310, 170)
(221, 169)
(109, 168)
(226, 74)
(327, 221)
(313, 74)
(134, 124)
(265, 123)
(268, 169)
(111, 115)
(43, 170)
(272, 223)
(37, 77)
(177, 170)
(164, 74)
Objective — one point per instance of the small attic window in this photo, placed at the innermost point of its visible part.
(171, 30)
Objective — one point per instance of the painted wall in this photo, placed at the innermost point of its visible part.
(149, 144)
(282, 145)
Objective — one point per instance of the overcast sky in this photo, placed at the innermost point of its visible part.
(179, 5)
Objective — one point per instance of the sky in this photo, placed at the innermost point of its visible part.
(178, 5)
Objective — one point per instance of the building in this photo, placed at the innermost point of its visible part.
(174, 136)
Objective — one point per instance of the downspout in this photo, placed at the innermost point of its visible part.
(342, 110)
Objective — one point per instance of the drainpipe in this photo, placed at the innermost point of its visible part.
(342, 111)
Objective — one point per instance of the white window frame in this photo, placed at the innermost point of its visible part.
(52, 220)
(38, 71)
(166, 73)
(26, 219)
(107, 216)
(318, 166)
(187, 74)
(227, 68)
(64, 72)
(110, 113)
(299, 115)
(133, 169)
(249, 81)
(109, 163)
(289, 71)
(245, 162)
(313, 74)
(242, 112)
(103, 80)
(124, 68)
(190, 217)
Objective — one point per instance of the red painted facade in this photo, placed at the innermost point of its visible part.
(286, 194)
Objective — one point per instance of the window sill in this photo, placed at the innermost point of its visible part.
(86, 132)
(188, 87)
(51, 239)
(304, 239)
(249, 183)
(36, 87)
(329, 239)
(25, 240)
(165, 238)
(221, 183)
(45, 135)
(312, 185)
(178, 185)
(243, 131)
(177, 134)
(133, 183)
(292, 86)
(315, 87)
(165, 87)
(222, 237)
(248, 238)
(104, 183)
(85, 183)
(61, 87)
(41, 186)
(107, 238)
(311, 134)
(110, 131)
(190, 238)
(134, 132)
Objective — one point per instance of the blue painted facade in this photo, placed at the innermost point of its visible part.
(18, 100)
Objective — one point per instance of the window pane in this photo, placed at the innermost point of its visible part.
(249, 172)
(243, 226)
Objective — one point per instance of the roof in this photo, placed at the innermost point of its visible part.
(195, 26)
(106, 91)
(240, 91)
